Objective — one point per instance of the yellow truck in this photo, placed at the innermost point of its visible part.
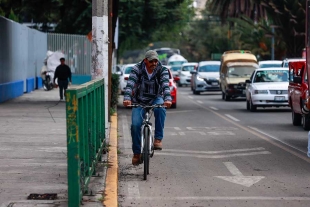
(236, 67)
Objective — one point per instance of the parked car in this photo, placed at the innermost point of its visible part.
(206, 77)
(270, 63)
(236, 67)
(123, 78)
(173, 87)
(287, 60)
(184, 73)
(267, 87)
(298, 92)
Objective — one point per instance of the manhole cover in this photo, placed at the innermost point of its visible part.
(45, 196)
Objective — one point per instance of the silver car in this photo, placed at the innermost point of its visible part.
(206, 77)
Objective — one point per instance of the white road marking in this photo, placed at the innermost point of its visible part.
(182, 133)
(221, 133)
(133, 189)
(238, 177)
(215, 152)
(287, 144)
(223, 198)
(215, 156)
(213, 108)
(191, 97)
(190, 128)
(177, 128)
(231, 117)
(200, 102)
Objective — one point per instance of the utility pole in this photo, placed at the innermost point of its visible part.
(100, 48)
(272, 44)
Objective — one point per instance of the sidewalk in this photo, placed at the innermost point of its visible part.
(33, 152)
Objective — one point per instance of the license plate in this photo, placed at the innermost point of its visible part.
(279, 98)
(214, 83)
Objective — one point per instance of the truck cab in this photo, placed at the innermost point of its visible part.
(298, 92)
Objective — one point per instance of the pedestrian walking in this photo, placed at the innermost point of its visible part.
(63, 75)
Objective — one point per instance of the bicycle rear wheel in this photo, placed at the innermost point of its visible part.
(146, 157)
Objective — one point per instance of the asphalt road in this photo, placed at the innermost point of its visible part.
(217, 153)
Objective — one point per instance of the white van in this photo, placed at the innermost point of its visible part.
(176, 61)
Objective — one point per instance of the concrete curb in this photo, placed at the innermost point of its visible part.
(110, 193)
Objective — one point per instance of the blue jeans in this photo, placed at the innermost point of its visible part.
(136, 120)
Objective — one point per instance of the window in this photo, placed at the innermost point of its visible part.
(209, 68)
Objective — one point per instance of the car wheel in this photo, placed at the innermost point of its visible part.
(305, 122)
(247, 105)
(227, 98)
(296, 118)
(174, 105)
(252, 106)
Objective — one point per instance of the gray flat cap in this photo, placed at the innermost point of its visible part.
(151, 55)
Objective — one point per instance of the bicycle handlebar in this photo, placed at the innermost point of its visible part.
(147, 106)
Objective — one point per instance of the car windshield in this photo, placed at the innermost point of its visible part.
(271, 76)
(240, 71)
(177, 62)
(128, 70)
(188, 68)
(209, 68)
(176, 68)
(270, 65)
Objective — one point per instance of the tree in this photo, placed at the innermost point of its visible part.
(145, 21)
(287, 17)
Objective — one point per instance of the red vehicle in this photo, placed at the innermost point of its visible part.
(298, 92)
(173, 88)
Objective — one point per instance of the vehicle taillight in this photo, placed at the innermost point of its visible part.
(125, 78)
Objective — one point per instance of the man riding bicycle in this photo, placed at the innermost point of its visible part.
(148, 84)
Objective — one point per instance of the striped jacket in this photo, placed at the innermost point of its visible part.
(141, 89)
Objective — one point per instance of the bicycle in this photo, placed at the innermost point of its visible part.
(147, 138)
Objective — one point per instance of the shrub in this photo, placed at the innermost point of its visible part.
(114, 91)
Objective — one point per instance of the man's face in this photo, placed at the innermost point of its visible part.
(62, 62)
(150, 64)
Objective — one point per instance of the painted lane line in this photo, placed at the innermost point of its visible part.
(200, 102)
(133, 189)
(272, 137)
(215, 156)
(233, 169)
(190, 97)
(177, 128)
(177, 112)
(231, 117)
(216, 152)
(259, 135)
(216, 109)
(238, 177)
(223, 198)
(182, 133)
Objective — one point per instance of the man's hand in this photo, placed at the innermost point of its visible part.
(126, 103)
(167, 104)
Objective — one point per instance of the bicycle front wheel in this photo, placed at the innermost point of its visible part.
(146, 157)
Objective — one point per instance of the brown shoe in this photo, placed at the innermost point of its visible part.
(136, 159)
(158, 145)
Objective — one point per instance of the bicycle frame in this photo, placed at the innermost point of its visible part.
(148, 124)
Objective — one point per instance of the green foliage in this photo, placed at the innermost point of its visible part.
(12, 16)
(114, 91)
(287, 17)
(142, 22)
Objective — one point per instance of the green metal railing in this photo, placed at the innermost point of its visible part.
(85, 136)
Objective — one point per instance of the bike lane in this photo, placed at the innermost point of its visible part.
(211, 160)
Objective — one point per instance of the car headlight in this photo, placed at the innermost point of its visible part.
(260, 91)
(200, 78)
